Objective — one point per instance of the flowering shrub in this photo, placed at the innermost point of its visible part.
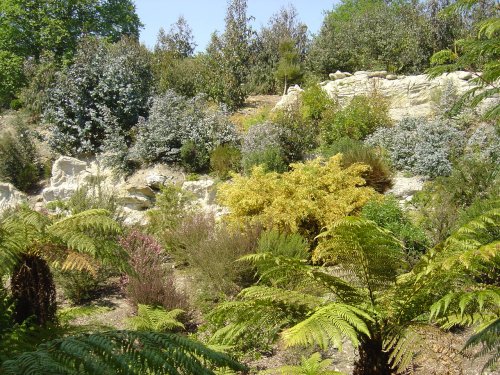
(153, 283)
(419, 146)
(174, 121)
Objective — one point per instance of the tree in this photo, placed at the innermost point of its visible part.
(283, 26)
(179, 41)
(228, 57)
(11, 76)
(31, 241)
(289, 68)
(28, 27)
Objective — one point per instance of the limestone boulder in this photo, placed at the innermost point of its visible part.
(10, 196)
(404, 188)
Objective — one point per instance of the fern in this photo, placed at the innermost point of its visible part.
(150, 318)
(329, 325)
(313, 365)
(121, 352)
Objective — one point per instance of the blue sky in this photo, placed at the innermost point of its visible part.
(206, 16)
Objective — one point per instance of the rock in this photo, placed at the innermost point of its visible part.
(156, 180)
(10, 196)
(377, 74)
(405, 187)
(337, 75)
(202, 189)
(67, 168)
(465, 76)
(294, 88)
(391, 77)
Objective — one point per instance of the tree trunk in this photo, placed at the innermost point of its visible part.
(372, 359)
(33, 290)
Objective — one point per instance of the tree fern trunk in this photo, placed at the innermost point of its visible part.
(33, 290)
(372, 359)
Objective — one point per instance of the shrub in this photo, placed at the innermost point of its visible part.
(361, 117)
(441, 201)
(298, 136)
(175, 121)
(19, 160)
(225, 159)
(107, 86)
(271, 159)
(379, 176)
(306, 199)
(420, 147)
(315, 102)
(485, 142)
(194, 157)
(80, 286)
(388, 214)
(11, 76)
(153, 282)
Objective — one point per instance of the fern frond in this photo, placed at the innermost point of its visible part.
(329, 325)
(150, 318)
(121, 352)
(403, 345)
(313, 365)
(362, 248)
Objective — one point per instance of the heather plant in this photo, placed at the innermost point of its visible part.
(379, 176)
(19, 159)
(262, 146)
(174, 121)
(362, 116)
(151, 283)
(419, 146)
(107, 86)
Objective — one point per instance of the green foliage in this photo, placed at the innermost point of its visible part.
(80, 286)
(313, 365)
(11, 76)
(355, 36)
(19, 159)
(150, 318)
(224, 160)
(315, 102)
(441, 201)
(100, 97)
(379, 176)
(357, 120)
(271, 159)
(288, 69)
(304, 200)
(388, 214)
(480, 51)
(29, 27)
(227, 59)
(194, 157)
(121, 352)
(283, 26)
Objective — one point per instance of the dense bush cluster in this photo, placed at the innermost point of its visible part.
(419, 146)
(181, 129)
(104, 91)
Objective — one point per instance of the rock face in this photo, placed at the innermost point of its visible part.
(405, 187)
(408, 95)
(135, 195)
(10, 196)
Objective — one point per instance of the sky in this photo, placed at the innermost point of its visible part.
(206, 16)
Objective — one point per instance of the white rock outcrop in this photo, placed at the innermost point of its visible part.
(10, 196)
(404, 188)
(407, 95)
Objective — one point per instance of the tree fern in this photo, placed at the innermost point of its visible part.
(121, 352)
(150, 318)
(329, 325)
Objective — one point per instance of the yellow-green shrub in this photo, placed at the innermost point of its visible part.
(304, 200)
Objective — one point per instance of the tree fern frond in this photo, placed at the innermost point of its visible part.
(403, 345)
(121, 352)
(150, 318)
(328, 325)
(489, 338)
